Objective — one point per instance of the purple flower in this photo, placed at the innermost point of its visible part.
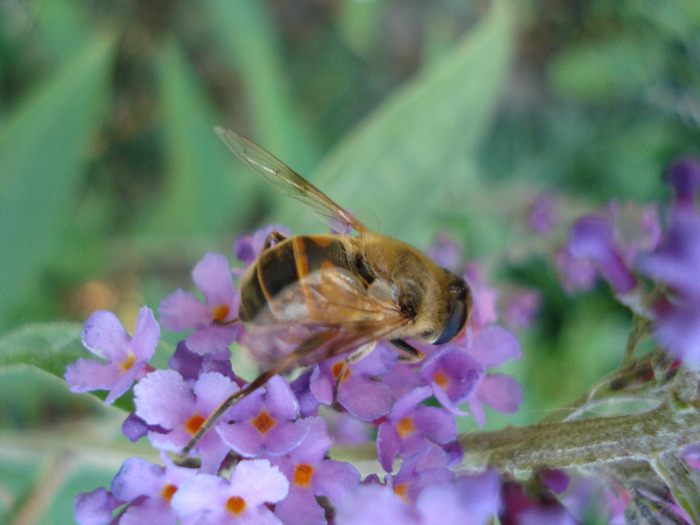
(357, 390)
(485, 298)
(446, 252)
(453, 375)
(675, 263)
(213, 500)
(491, 348)
(411, 427)
(126, 356)
(150, 489)
(543, 217)
(311, 475)
(524, 507)
(592, 237)
(248, 247)
(265, 422)
(469, 500)
(96, 507)
(183, 311)
(522, 308)
(574, 273)
(375, 503)
(426, 467)
(164, 398)
(684, 175)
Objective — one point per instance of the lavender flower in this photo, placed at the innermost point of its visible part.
(411, 427)
(210, 499)
(183, 311)
(163, 398)
(126, 356)
(265, 422)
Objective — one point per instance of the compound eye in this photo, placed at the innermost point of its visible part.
(455, 322)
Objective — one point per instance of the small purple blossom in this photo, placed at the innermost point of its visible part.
(675, 264)
(212, 500)
(521, 308)
(96, 507)
(543, 217)
(411, 426)
(684, 176)
(446, 252)
(310, 475)
(357, 391)
(149, 489)
(265, 421)
(453, 375)
(592, 237)
(165, 399)
(126, 356)
(183, 311)
(248, 247)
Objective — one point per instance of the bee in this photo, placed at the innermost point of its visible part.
(349, 291)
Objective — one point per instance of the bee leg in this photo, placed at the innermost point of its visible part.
(354, 357)
(407, 353)
(273, 238)
(225, 323)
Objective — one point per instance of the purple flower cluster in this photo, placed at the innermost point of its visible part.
(267, 459)
(626, 246)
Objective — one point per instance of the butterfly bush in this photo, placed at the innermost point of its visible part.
(273, 457)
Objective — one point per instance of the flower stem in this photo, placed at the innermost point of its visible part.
(583, 442)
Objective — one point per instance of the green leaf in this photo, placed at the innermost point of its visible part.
(48, 346)
(43, 150)
(199, 195)
(406, 163)
(247, 35)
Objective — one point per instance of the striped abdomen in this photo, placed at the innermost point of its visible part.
(286, 263)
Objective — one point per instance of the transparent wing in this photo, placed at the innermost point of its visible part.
(289, 182)
(333, 297)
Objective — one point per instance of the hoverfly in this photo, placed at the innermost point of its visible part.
(350, 291)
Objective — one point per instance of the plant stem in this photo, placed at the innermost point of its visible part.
(583, 442)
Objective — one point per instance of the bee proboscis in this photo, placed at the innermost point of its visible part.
(350, 291)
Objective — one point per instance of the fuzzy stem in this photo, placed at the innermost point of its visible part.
(583, 442)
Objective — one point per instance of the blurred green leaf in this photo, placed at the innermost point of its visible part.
(248, 36)
(198, 196)
(43, 150)
(48, 346)
(406, 163)
(65, 28)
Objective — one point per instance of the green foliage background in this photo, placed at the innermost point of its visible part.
(428, 115)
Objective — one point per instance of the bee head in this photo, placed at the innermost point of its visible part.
(458, 310)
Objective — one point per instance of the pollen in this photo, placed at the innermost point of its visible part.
(441, 379)
(340, 368)
(168, 491)
(128, 362)
(405, 426)
(302, 474)
(220, 313)
(235, 505)
(194, 424)
(263, 422)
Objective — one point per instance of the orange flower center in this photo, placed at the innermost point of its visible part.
(302, 474)
(401, 490)
(220, 313)
(441, 379)
(168, 491)
(340, 368)
(263, 422)
(128, 362)
(405, 426)
(194, 424)
(235, 505)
